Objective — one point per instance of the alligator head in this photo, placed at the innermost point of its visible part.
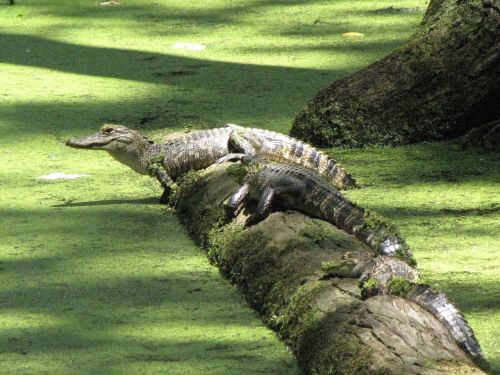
(110, 138)
(124, 144)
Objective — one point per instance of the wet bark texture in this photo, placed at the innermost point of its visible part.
(283, 267)
(439, 85)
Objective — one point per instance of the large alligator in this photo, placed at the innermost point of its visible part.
(199, 149)
(303, 190)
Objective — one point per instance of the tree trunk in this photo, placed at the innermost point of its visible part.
(290, 268)
(486, 136)
(442, 83)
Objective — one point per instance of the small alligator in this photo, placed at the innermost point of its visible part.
(199, 149)
(303, 190)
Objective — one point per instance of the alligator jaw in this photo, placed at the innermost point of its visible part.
(96, 141)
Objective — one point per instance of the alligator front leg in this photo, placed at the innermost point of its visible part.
(167, 183)
(263, 207)
(235, 201)
(291, 185)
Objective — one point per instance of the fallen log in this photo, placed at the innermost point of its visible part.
(297, 272)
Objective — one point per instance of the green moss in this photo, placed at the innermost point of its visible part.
(221, 240)
(399, 286)
(193, 211)
(401, 254)
(299, 315)
(322, 233)
(370, 288)
(244, 257)
(342, 269)
(345, 357)
(382, 228)
(371, 284)
(376, 222)
(238, 171)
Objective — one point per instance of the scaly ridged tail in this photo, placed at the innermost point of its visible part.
(289, 150)
(373, 229)
(445, 311)
(385, 270)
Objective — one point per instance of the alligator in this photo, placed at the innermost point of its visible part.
(199, 149)
(386, 275)
(306, 191)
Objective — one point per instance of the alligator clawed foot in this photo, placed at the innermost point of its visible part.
(253, 219)
(230, 211)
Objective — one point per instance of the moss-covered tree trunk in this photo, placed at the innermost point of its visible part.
(292, 269)
(440, 84)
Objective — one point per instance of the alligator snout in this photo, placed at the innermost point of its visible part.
(76, 143)
(92, 141)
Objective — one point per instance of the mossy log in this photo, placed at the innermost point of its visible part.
(283, 266)
(439, 85)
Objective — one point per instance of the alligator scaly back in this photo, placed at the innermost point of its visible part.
(194, 151)
(302, 190)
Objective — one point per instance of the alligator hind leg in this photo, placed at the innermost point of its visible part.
(243, 142)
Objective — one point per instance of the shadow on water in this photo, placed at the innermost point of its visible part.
(108, 202)
(229, 13)
(184, 89)
(434, 164)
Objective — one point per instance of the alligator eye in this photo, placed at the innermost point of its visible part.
(107, 131)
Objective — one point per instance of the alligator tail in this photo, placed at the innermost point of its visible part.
(341, 212)
(445, 311)
(386, 270)
(290, 150)
(372, 229)
(328, 168)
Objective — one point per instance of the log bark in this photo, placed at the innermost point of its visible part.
(283, 267)
(439, 85)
